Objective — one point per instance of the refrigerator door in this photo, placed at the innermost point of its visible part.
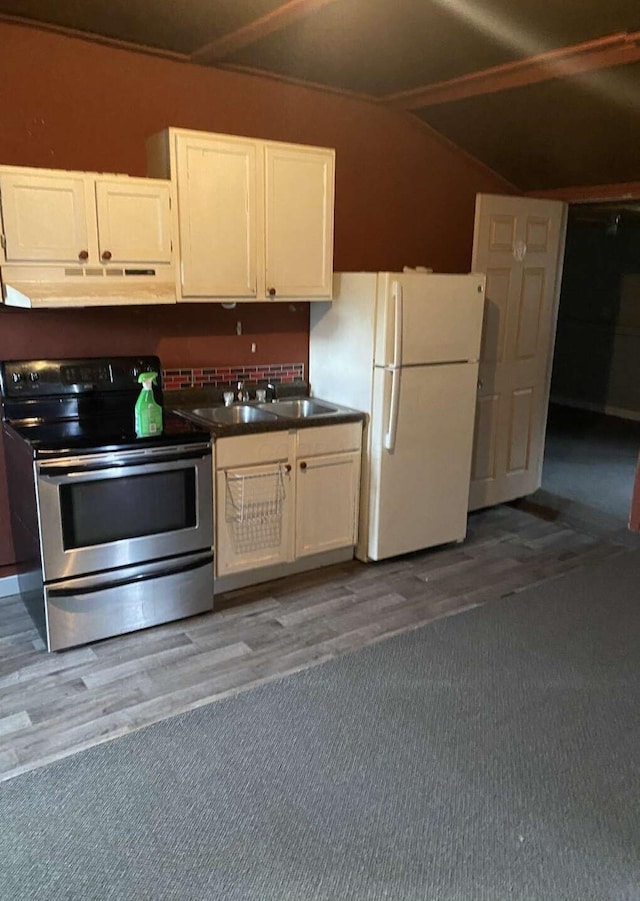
(427, 318)
(420, 467)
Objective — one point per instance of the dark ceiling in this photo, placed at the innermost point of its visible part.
(547, 94)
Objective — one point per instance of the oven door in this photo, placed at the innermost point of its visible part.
(104, 511)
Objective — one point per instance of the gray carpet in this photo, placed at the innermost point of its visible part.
(491, 755)
(591, 458)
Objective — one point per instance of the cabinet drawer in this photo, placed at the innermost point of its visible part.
(247, 450)
(329, 439)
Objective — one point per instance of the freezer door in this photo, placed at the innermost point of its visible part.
(424, 318)
(419, 471)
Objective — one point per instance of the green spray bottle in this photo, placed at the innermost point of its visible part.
(148, 413)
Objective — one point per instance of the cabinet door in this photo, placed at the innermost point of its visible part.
(45, 218)
(217, 216)
(327, 491)
(299, 185)
(134, 220)
(252, 517)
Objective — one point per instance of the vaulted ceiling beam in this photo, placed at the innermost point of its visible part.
(277, 19)
(590, 193)
(615, 50)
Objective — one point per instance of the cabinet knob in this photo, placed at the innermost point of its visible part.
(271, 292)
(303, 465)
(106, 254)
(83, 255)
(287, 467)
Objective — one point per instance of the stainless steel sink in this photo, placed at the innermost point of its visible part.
(233, 415)
(236, 414)
(298, 409)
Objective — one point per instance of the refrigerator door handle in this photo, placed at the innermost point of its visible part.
(394, 405)
(396, 293)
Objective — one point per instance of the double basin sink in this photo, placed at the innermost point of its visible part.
(237, 413)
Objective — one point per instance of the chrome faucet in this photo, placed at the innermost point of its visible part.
(242, 395)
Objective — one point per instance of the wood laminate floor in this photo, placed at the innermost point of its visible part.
(52, 705)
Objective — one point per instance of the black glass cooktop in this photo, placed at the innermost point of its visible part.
(104, 434)
(85, 405)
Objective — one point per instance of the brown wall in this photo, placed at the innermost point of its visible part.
(403, 197)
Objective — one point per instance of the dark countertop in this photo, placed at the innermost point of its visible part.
(185, 400)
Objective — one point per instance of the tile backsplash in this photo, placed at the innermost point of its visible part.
(216, 376)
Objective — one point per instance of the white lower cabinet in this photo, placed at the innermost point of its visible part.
(284, 496)
(253, 517)
(326, 502)
(327, 467)
(253, 491)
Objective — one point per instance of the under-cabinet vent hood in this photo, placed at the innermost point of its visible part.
(69, 286)
(80, 239)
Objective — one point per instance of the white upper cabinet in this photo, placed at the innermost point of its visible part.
(134, 220)
(298, 221)
(85, 239)
(217, 215)
(255, 218)
(45, 216)
(67, 217)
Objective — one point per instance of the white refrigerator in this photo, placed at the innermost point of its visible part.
(404, 348)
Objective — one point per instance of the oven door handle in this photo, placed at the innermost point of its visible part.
(76, 588)
(66, 474)
(75, 465)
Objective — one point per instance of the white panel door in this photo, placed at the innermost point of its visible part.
(46, 218)
(134, 220)
(428, 318)
(419, 489)
(299, 188)
(518, 243)
(218, 216)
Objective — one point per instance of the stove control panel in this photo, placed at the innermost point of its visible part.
(48, 378)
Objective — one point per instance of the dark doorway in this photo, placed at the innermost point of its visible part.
(593, 428)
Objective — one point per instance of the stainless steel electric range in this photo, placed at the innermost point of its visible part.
(112, 532)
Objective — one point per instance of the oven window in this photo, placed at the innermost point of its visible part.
(105, 510)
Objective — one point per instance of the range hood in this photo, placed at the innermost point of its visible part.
(33, 287)
(80, 239)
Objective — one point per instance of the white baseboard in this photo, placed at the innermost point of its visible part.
(233, 581)
(620, 412)
(31, 581)
(8, 586)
